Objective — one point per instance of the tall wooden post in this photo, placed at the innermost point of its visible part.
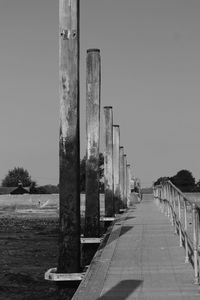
(121, 175)
(116, 166)
(69, 152)
(125, 183)
(128, 169)
(92, 214)
(108, 161)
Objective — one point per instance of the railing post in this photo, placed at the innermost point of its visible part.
(164, 188)
(116, 166)
(185, 232)
(195, 244)
(165, 199)
(69, 145)
(171, 205)
(108, 162)
(161, 200)
(121, 175)
(168, 200)
(93, 82)
(155, 195)
(159, 197)
(175, 215)
(179, 219)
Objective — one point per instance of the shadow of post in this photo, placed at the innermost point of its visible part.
(117, 233)
(122, 290)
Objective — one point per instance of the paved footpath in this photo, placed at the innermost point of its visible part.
(141, 260)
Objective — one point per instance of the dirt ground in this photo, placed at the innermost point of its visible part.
(29, 246)
(28, 249)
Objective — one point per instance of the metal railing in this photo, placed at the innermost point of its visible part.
(184, 215)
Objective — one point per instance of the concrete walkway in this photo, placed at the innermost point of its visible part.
(141, 260)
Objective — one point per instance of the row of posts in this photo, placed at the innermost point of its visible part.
(116, 171)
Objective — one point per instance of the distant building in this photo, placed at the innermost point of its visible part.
(20, 190)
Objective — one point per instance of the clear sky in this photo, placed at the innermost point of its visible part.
(150, 53)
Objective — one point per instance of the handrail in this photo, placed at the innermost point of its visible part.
(183, 213)
(181, 193)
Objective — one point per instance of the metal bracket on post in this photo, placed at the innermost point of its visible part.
(53, 276)
(122, 210)
(107, 219)
(90, 240)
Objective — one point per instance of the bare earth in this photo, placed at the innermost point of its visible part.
(28, 243)
(28, 249)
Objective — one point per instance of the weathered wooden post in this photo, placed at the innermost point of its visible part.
(93, 82)
(69, 152)
(125, 181)
(116, 167)
(121, 175)
(128, 179)
(108, 161)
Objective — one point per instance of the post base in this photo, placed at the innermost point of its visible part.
(53, 276)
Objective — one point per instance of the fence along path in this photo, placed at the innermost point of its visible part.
(141, 259)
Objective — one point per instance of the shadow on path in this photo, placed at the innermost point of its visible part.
(125, 229)
(114, 235)
(122, 290)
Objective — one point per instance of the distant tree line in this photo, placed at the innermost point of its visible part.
(16, 176)
(19, 175)
(184, 180)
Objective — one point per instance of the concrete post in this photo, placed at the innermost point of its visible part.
(93, 82)
(125, 183)
(69, 145)
(108, 161)
(121, 175)
(116, 166)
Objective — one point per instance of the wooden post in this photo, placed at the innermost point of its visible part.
(121, 175)
(69, 145)
(125, 184)
(128, 175)
(116, 168)
(92, 214)
(108, 162)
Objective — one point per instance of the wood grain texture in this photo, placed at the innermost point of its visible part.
(108, 161)
(125, 181)
(121, 175)
(93, 84)
(69, 240)
(116, 167)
